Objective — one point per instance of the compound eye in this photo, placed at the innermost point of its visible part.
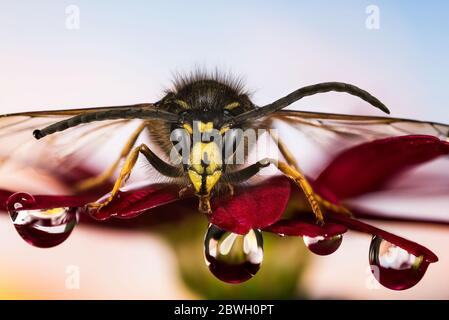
(227, 115)
(183, 113)
(231, 139)
(181, 140)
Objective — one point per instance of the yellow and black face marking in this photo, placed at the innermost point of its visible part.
(206, 159)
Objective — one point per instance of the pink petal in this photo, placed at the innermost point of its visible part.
(368, 166)
(253, 207)
(79, 173)
(363, 213)
(410, 246)
(302, 227)
(134, 201)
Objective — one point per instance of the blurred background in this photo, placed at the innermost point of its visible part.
(66, 54)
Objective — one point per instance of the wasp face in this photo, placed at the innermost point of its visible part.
(205, 106)
(205, 165)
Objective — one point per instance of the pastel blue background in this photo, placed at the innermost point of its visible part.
(127, 52)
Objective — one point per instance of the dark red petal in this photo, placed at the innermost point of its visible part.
(129, 203)
(410, 246)
(134, 201)
(49, 201)
(303, 227)
(57, 201)
(367, 167)
(4, 195)
(252, 207)
(69, 178)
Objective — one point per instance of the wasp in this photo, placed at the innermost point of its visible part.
(210, 105)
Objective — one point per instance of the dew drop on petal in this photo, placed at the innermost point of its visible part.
(43, 228)
(394, 267)
(231, 257)
(322, 245)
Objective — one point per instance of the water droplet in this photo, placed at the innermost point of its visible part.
(322, 245)
(43, 228)
(394, 267)
(231, 257)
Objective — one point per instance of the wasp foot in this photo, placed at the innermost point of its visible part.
(97, 206)
(334, 207)
(184, 191)
(204, 204)
(225, 190)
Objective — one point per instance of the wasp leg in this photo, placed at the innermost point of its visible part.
(185, 190)
(288, 156)
(228, 189)
(160, 165)
(109, 172)
(294, 174)
(301, 181)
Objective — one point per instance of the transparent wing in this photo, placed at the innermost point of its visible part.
(19, 149)
(340, 131)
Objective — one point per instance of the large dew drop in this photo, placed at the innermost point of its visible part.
(231, 257)
(43, 228)
(323, 246)
(394, 267)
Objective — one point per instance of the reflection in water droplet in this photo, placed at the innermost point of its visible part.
(323, 246)
(394, 267)
(43, 228)
(231, 257)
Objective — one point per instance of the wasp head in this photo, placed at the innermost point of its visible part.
(202, 137)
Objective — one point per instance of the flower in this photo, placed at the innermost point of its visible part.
(234, 244)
